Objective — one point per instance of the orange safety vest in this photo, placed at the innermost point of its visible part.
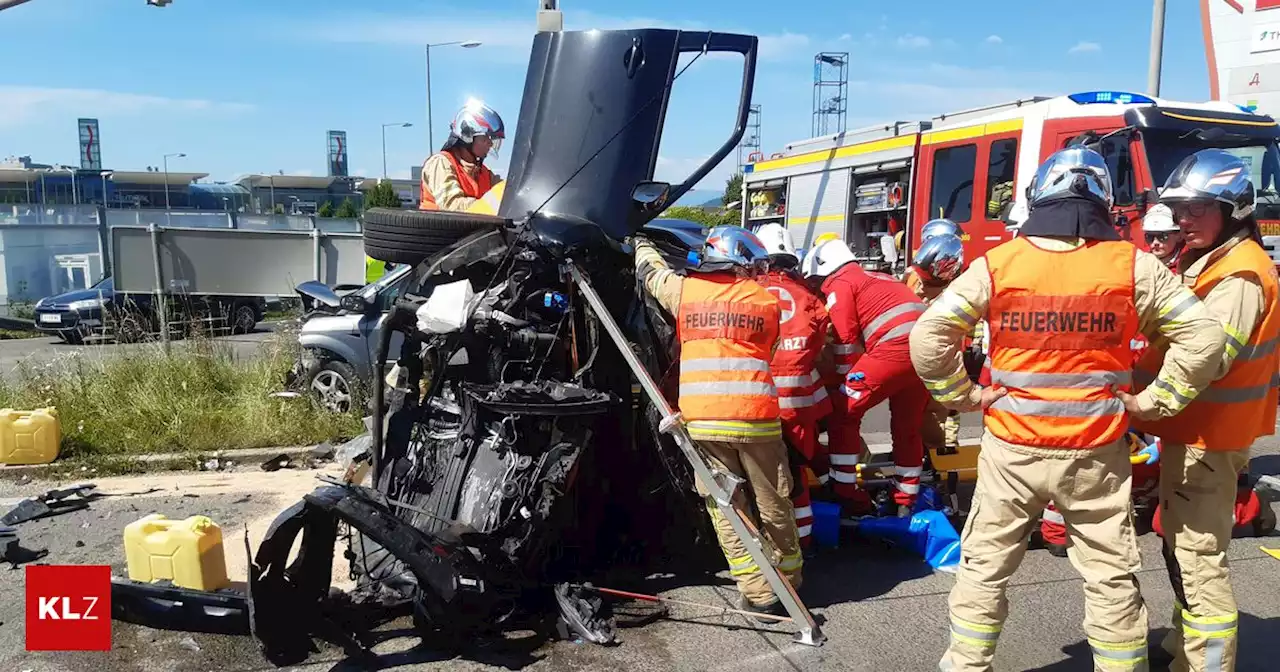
(1241, 406)
(472, 187)
(727, 328)
(1060, 326)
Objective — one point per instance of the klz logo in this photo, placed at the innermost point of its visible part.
(68, 608)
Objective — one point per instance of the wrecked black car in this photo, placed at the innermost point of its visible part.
(516, 457)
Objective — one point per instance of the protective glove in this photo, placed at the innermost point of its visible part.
(1151, 453)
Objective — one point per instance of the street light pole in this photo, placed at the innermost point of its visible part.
(1157, 49)
(166, 185)
(105, 174)
(465, 44)
(401, 124)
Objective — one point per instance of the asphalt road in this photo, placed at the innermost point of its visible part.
(882, 609)
(15, 352)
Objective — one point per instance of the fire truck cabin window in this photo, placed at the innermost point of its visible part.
(1116, 152)
(952, 193)
(1000, 172)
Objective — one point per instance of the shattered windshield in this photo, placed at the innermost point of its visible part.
(1165, 150)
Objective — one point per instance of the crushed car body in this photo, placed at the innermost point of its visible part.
(515, 458)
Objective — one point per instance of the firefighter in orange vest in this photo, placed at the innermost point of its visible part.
(1206, 447)
(1062, 301)
(802, 398)
(456, 177)
(728, 328)
(871, 314)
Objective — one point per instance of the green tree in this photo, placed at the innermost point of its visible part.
(702, 216)
(278, 210)
(347, 210)
(732, 189)
(382, 196)
(325, 209)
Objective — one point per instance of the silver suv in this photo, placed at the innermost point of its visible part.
(339, 345)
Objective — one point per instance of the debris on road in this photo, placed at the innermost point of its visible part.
(323, 452)
(52, 503)
(13, 553)
(277, 463)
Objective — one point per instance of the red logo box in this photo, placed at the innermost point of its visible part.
(68, 607)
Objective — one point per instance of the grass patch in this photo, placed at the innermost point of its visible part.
(199, 397)
(11, 334)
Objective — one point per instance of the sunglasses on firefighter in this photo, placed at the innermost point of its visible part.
(1162, 237)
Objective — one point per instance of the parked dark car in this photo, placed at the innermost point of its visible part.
(100, 311)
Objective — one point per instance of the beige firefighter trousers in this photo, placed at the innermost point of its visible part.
(765, 502)
(1197, 499)
(941, 427)
(1092, 493)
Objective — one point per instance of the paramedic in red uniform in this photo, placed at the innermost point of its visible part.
(802, 398)
(455, 177)
(872, 313)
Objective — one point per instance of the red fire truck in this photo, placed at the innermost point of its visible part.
(973, 167)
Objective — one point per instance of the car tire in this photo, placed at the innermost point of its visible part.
(410, 236)
(335, 386)
(244, 318)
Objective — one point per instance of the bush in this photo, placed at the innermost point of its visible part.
(325, 209)
(382, 196)
(347, 209)
(132, 400)
(703, 216)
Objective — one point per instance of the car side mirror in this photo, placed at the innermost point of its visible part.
(355, 303)
(651, 196)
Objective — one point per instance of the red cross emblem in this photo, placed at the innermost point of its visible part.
(785, 302)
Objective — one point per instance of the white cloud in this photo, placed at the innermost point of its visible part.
(994, 39)
(846, 38)
(503, 38)
(1084, 47)
(910, 41)
(24, 103)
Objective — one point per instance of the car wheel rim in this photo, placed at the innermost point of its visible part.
(245, 319)
(332, 390)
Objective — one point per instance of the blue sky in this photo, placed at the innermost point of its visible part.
(251, 86)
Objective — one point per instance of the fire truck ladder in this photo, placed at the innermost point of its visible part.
(721, 485)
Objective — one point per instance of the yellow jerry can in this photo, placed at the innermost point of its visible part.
(29, 437)
(187, 552)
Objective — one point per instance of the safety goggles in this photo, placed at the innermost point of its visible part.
(1162, 237)
(1190, 209)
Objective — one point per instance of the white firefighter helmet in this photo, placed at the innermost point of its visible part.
(777, 240)
(825, 259)
(1159, 219)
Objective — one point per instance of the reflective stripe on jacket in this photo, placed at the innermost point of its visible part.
(802, 333)
(472, 187)
(1241, 406)
(869, 312)
(1060, 326)
(727, 328)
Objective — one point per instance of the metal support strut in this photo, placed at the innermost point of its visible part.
(719, 484)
